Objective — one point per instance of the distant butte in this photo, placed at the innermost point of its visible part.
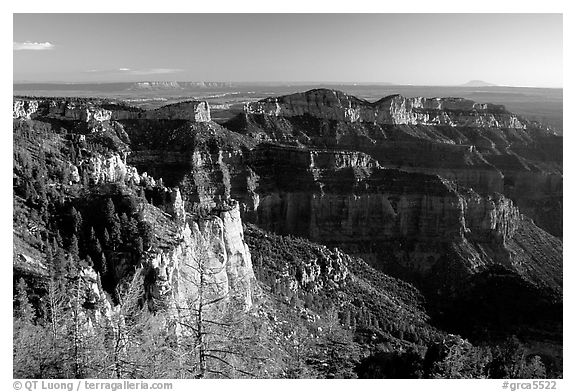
(477, 83)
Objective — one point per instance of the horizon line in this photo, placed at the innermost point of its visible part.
(283, 82)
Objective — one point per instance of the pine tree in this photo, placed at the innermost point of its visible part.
(55, 301)
(25, 310)
(76, 220)
(85, 179)
(138, 245)
(106, 239)
(108, 211)
(132, 205)
(132, 229)
(123, 220)
(29, 349)
(60, 264)
(115, 233)
(73, 251)
(93, 242)
(49, 257)
(147, 233)
(96, 247)
(58, 239)
(104, 264)
(91, 235)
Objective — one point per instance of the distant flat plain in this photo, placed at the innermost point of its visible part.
(540, 104)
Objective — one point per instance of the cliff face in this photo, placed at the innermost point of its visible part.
(357, 204)
(422, 228)
(490, 219)
(481, 146)
(99, 110)
(212, 246)
(211, 249)
(205, 160)
(170, 271)
(338, 106)
(190, 111)
(70, 110)
(456, 245)
(411, 221)
(199, 234)
(109, 170)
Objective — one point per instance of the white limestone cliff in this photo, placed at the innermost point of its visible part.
(212, 249)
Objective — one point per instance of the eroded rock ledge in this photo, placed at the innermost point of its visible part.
(89, 110)
(394, 109)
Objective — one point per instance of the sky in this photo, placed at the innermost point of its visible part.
(419, 49)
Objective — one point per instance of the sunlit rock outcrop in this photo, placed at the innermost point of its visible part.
(97, 111)
(338, 106)
(477, 145)
(208, 252)
(24, 108)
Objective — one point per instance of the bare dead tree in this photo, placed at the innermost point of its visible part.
(204, 320)
(125, 326)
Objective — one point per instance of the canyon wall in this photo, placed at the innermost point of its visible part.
(417, 226)
(99, 111)
(407, 196)
(395, 109)
(481, 146)
(212, 245)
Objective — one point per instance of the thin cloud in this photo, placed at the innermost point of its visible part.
(155, 71)
(28, 45)
(124, 69)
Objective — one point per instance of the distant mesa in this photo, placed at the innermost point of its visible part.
(155, 86)
(177, 85)
(477, 83)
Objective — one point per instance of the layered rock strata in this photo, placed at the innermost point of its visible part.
(407, 223)
(212, 245)
(99, 111)
(481, 146)
(394, 109)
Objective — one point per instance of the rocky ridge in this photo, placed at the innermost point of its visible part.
(395, 109)
(481, 146)
(96, 110)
